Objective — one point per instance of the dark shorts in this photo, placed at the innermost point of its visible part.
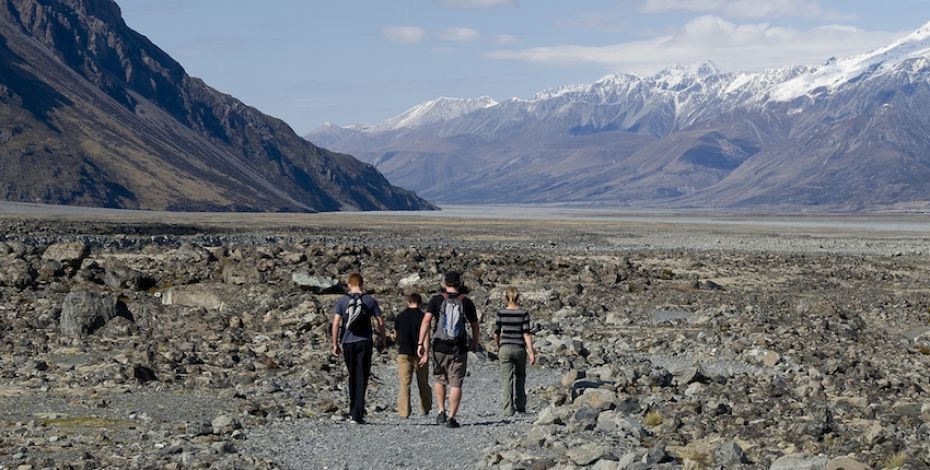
(449, 369)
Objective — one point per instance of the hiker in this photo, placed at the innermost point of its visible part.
(514, 339)
(407, 332)
(452, 310)
(352, 339)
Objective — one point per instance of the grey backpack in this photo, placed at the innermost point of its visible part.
(450, 325)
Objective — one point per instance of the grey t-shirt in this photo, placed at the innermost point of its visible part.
(373, 307)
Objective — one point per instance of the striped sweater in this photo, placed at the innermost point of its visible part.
(511, 324)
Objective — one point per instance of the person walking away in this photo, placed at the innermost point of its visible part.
(407, 331)
(452, 310)
(352, 339)
(514, 339)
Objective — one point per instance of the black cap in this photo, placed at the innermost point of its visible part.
(453, 278)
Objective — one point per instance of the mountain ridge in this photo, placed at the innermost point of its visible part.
(92, 113)
(685, 137)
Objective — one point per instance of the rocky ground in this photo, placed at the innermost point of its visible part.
(137, 342)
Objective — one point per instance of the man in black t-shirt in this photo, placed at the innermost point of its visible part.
(449, 357)
(406, 332)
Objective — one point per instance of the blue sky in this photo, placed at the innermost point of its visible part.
(361, 61)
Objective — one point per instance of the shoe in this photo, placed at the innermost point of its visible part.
(357, 421)
(452, 423)
(441, 418)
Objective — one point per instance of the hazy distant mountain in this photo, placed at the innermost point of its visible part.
(92, 113)
(851, 134)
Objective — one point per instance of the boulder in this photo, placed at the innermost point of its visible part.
(598, 399)
(799, 462)
(409, 281)
(845, 463)
(586, 454)
(195, 295)
(224, 424)
(84, 312)
(16, 273)
(316, 284)
(122, 277)
(730, 454)
(67, 253)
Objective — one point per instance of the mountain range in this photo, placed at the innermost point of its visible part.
(850, 134)
(92, 113)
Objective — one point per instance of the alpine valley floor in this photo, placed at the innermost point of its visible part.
(156, 340)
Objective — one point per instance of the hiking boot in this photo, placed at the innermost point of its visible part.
(441, 418)
(357, 421)
(452, 423)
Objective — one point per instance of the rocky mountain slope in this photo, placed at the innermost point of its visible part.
(92, 113)
(848, 134)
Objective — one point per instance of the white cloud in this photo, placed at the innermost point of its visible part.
(403, 34)
(477, 3)
(732, 46)
(458, 34)
(506, 39)
(748, 8)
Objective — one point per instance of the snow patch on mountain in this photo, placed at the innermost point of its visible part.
(836, 73)
(435, 111)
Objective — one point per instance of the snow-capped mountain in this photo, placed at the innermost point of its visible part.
(692, 136)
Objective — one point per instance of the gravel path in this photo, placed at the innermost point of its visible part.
(390, 442)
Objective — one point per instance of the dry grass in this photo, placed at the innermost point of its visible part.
(924, 349)
(85, 422)
(895, 460)
(652, 419)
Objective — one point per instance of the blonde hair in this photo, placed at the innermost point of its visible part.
(513, 295)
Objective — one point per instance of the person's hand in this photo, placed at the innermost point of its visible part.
(423, 353)
(474, 347)
(532, 358)
(337, 351)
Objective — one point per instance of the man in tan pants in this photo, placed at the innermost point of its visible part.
(406, 331)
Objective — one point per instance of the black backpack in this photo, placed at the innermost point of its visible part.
(357, 317)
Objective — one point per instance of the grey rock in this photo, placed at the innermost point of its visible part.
(66, 252)
(316, 284)
(16, 273)
(799, 462)
(597, 399)
(845, 463)
(586, 454)
(224, 424)
(730, 454)
(195, 295)
(84, 312)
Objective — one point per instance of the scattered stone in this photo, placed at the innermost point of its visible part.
(71, 253)
(799, 462)
(316, 284)
(84, 312)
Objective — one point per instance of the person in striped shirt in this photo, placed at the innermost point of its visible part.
(514, 339)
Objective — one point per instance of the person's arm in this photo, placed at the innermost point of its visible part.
(379, 320)
(497, 332)
(475, 331)
(423, 338)
(381, 330)
(337, 320)
(529, 347)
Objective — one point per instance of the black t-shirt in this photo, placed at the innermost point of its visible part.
(407, 325)
(471, 316)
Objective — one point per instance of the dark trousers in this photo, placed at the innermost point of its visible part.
(358, 361)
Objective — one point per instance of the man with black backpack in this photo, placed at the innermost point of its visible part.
(352, 339)
(450, 346)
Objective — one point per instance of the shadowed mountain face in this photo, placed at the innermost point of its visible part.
(852, 134)
(92, 113)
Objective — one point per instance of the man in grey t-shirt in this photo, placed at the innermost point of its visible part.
(355, 343)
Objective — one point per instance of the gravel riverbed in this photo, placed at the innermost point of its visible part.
(388, 441)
